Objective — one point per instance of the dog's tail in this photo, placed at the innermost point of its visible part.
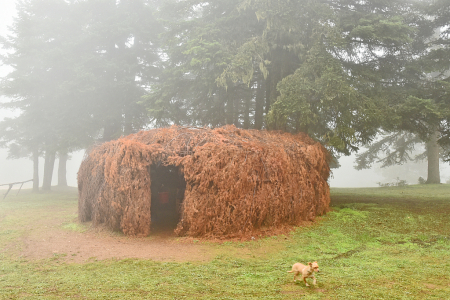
(290, 271)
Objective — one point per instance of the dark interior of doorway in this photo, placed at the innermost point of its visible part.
(168, 187)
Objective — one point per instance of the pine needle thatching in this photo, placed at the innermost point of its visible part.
(237, 181)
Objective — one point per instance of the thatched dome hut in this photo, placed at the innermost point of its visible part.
(205, 182)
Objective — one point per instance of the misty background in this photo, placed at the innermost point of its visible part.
(15, 170)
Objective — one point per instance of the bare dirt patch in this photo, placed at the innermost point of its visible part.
(97, 244)
(41, 228)
(47, 237)
(431, 286)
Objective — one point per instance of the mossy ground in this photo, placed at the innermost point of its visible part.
(378, 243)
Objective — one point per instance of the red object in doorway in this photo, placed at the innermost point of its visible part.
(164, 197)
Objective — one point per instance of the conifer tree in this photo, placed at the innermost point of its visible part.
(419, 110)
(79, 70)
(322, 67)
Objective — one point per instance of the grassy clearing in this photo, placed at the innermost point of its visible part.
(19, 213)
(378, 243)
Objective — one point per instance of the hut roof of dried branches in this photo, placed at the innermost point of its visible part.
(237, 181)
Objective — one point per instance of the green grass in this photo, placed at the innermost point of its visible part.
(377, 243)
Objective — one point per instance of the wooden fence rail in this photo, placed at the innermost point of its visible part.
(12, 184)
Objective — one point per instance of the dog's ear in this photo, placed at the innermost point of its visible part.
(310, 264)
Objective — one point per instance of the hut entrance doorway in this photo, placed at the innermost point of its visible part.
(168, 187)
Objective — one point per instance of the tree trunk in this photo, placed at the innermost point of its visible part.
(259, 105)
(112, 130)
(283, 64)
(128, 123)
(433, 159)
(271, 88)
(219, 118)
(229, 110)
(62, 170)
(35, 171)
(247, 100)
(49, 164)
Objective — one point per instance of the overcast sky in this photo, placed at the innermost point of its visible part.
(7, 10)
(346, 176)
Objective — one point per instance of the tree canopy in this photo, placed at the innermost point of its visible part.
(79, 70)
(338, 70)
(419, 112)
(323, 67)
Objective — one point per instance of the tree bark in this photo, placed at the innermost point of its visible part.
(35, 171)
(229, 110)
(247, 100)
(271, 88)
(434, 176)
(283, 64)
(259, 105)
(112, 130)
(62, 169)
(49, 164)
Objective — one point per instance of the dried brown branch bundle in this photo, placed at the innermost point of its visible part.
(237, 181)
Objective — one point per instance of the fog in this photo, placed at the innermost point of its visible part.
(15, 170)
(346, 176)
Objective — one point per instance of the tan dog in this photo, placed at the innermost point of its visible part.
(306, 271)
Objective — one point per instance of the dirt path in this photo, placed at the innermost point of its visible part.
(45, 229)
(47, 233)
(98, 244)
